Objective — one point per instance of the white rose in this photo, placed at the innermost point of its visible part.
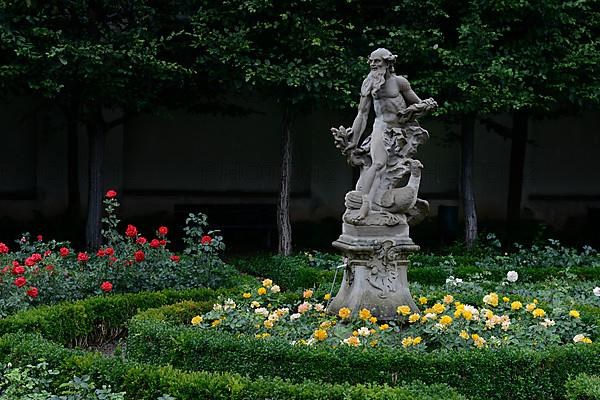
(275, 289)
(364, 331)
(512, 276)
(295, 316)
(319, 307)
(578, 338)
(597, 291)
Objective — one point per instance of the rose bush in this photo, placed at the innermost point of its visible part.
(41, 272)
(450, 323)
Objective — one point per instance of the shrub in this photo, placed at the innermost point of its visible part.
(40, 272)
(489, 374)
(90, 320)
(583, 387)
(143, 381)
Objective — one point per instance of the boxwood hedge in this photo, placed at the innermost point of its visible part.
(155, 338)
(143, 381)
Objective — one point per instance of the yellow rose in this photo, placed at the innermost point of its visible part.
(352, 341)
(438, 308)
(491, 299)
(320, 334)
(463, 334)
(268, 324)
(267, 283)
(516, 305)
(364, 314)
(196, 320)
(448, 299)
(586, 340)
(446, 320)
(246, 295)
(407, 341)
(307, 294)
(384, 327)
(466, 314)
(530, 307)
(475, 336)
(539, 313)
(373, 320)
(215, 323)
(505, 299)
(414, 318)
(404, 310)
(325, 324)
(373, 343)
(262, 291)
(423, 300)
(327, 296)
(574, 313)
(344, 312)
(417, 340)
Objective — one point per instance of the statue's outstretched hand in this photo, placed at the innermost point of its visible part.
(343, 138)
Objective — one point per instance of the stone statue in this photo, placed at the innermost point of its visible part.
(375, 230)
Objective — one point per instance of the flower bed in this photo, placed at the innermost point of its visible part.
(452, 342)
(45, 272)
(143, 381)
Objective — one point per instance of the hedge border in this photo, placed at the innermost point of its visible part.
(489, 374)
(142, 381)
(68, 322)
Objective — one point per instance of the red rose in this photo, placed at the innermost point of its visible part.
(139, 256)
(141, 240)
(106, 287)
(131, 231)
(30, 262)
(175, 258)
(154, 243)
(163, 242)
(18, 270)
(63, 251)
(163, 230)
(5, 269)
(206, 239)
(83, 257)
(111, 194)
(36, 257)
(15, 263)
(33, 292)
(47, 253)
(100, 253)
(109, 251)
(112, 259)
(49, 268)
(3, 248)
(20, 281)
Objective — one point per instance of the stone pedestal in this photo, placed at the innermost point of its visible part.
(375, 275)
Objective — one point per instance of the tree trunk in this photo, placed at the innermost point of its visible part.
(73, 200)
(467, 193)
(283, 206)
(517, 166)
(96, 137)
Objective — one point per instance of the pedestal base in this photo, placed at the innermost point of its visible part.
(374, 277)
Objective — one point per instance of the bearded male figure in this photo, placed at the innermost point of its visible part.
(391, 96)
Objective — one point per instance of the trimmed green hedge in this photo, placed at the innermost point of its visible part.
(65, 323)
(295, 272)
(142, 381)
(583, 387)
(486, 374)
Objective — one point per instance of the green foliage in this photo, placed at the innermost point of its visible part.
(52, 271)
(143, 381)
(583, 387)
(37, 382)
(477, 374)
(72, 323)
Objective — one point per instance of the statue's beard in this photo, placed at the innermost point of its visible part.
(376, 79)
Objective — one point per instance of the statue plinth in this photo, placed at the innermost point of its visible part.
(374, 278)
